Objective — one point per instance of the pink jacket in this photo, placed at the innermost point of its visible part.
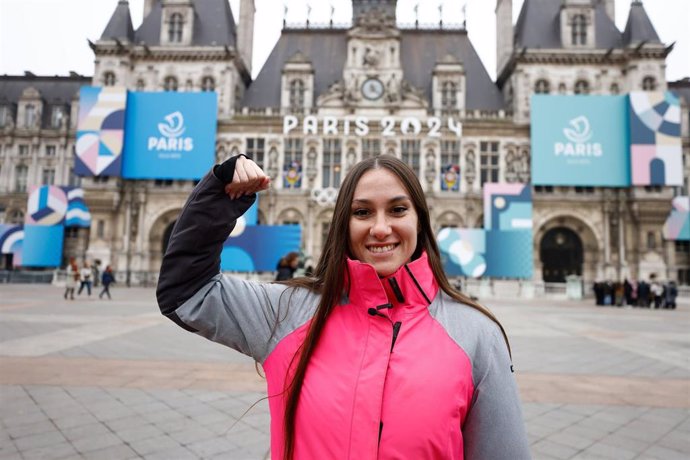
(401, 371)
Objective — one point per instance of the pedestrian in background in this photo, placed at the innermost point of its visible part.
(85, 276)
(287, 266)
(671, 294)
(71, 278)
(375, 355)
(107, 279)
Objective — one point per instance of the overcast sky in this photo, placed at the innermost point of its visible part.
(49, 37)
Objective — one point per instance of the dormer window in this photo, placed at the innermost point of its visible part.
(56, 117)
(140, 85)
(581, 87)
(175, 28)
(297, 94)
(648, 83)
(170, 84)
(29, 116)
(579, 30)
(4, 115)
(449, 99)
(542, 87)
(208, 84)
(109, 79)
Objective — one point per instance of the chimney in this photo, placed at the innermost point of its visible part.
(245, 35)
(148, 6)
(504, 33)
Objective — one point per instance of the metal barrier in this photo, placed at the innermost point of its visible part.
(25, 277)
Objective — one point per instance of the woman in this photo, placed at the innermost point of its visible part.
(71, 278)
(375, 355)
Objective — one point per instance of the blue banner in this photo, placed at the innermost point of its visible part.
(42, 246)
(169, 135)
(580, 140)
(259, 247)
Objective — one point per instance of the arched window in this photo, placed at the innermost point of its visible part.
(108, 79)
(30, 116)
(542, 87)
(561, 88)
(615, 89)
(581, 87)
(297, 94)
(170, 84)
(208, 84)
(648, 83)
(579, 29)
(175, 28)
(449, 100)
(15, 216)
(141, 85)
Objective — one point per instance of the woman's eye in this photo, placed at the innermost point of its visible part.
(360, 212)
(399, 209)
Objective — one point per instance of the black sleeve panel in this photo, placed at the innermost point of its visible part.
(193, 254)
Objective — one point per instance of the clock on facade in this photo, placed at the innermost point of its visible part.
(372, 89)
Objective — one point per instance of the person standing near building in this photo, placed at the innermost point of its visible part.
(71, 278)
(107, 279)
(85, 276)
(656, 290)
(287, 266)
(375, 355)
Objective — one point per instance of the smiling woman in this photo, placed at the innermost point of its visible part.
(376, 342)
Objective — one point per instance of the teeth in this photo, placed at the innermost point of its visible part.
(389, 247)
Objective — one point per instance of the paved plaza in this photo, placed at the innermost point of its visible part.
(98, 379)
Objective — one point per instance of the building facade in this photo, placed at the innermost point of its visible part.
(329, 96)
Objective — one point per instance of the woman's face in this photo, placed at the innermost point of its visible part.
(383, 222)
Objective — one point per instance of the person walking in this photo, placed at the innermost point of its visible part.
(287, 266)
(71, 278)
(373, 356)
(107, 279)
(85, 276)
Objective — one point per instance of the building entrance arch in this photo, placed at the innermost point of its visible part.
(159, 237)
(561, 253)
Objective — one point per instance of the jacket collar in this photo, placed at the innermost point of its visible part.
(412, 286)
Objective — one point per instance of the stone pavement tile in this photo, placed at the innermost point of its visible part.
(662, 453)
(150, 408)
(137, 433)
(245, 454)
(163, 416)
(208, 447)
(96, 442)
(178, 453)
(85, 431)
(72, 421)
(624, 442)
(175, 424)
(606, 451)
(676, 441)
(10, 455)
(535, 409)
(36, 441)
(31, 415)
(193, 435)
(131, 396)
(641, 431)
(28, 429)
(208, 397)
(541, 430)
(582, 430)
(211, 417)
(154, 445)
(124, 423)
(55, 451)
(572, 440)
(552, 449)
(665, 416)
(118, 452)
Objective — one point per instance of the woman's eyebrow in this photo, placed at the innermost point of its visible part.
(392, 200)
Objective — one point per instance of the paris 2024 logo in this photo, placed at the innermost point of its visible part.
(171, 140)
(578, 133)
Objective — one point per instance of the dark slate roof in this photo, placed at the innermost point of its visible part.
(55, 91)
(422, 49)
(681, 88)
(120, 24)
(214, 24)
(639, 28)
(539, 26)
(326, 49)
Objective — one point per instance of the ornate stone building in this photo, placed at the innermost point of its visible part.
(328, 97)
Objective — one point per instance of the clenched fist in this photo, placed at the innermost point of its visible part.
(248, 178)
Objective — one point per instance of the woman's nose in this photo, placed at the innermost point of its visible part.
(380, 228)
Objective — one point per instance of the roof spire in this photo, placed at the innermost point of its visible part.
(120, 24)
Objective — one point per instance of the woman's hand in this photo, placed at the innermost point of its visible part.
(248, 179)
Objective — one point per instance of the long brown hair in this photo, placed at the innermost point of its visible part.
(329, 276)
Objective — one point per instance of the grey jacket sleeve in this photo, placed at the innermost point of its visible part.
(494, 428)
(192, 292)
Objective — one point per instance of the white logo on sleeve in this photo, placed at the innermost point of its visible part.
(578, 133)
(171, 142)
